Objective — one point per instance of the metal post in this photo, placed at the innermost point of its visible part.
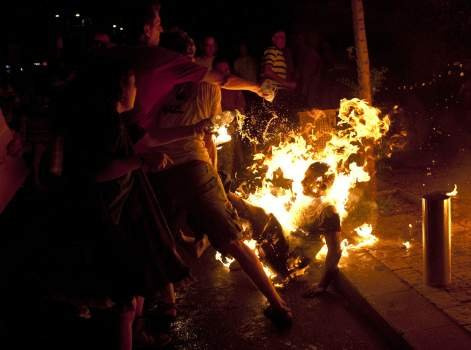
(436, 238)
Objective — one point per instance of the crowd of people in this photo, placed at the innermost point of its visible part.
(125, 177)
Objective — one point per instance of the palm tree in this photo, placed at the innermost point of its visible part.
(363, 62)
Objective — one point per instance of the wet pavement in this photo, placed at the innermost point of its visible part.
(223, 310)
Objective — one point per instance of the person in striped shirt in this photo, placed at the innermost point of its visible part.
(274, 65)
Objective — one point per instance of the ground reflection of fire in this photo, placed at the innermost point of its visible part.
(346, 152)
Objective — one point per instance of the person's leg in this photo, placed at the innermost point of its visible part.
(142, 338)
(334, 253)
(254, 269)
(126, 320)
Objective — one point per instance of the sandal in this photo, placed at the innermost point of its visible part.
(281, 318)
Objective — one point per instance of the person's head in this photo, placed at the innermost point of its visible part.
(144, 22)
(278, 39)
(317, 179)
(179, 41)
(222, 65)
(209, 46)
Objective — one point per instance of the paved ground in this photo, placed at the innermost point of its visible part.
(400, 220)
(222, 310)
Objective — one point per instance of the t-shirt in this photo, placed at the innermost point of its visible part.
(246, 68)
(275, 58)
(205, 62)
(188, 104)
(159, 71)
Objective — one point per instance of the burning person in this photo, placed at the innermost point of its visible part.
(272, 244)
(322, 218)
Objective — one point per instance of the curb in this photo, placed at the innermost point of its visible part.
(404, 317)
(343, 286)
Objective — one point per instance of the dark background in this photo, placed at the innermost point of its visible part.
(411, 38)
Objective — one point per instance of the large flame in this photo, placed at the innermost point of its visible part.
(358, 127)
(346, 151)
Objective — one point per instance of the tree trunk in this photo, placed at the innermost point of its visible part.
(366, 93)
(361, 45)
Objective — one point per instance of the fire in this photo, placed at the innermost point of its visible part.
(283, 167)
(252, 244)
(281, 191)
(454, 192)
(222, 136)
(364, 238)
(224, 260)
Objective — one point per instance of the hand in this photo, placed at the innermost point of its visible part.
(261, 92)
(203, 127)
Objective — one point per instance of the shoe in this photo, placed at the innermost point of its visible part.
(281, 318)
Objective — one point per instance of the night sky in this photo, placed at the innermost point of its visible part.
(403, 35)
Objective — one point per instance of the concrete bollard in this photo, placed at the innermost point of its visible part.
(436, 239)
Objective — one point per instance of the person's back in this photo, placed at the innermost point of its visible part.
(189, 104)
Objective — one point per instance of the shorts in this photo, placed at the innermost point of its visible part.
(192, 193)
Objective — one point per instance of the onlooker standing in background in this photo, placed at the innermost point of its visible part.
(274, 64)
(231, 155)
(275, 69)
(210, 49)
(245, 65)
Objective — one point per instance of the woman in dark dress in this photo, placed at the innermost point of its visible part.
(118, 247)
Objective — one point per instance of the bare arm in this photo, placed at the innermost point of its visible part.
(212, 150)
(231, 82)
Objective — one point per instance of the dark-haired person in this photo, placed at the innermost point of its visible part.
(322, 218)
(277, 72)
(231, 155)
(128, 253)
(274, 65)
(193, 192)
(209, 48)
(159, 70)
(245, 65)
